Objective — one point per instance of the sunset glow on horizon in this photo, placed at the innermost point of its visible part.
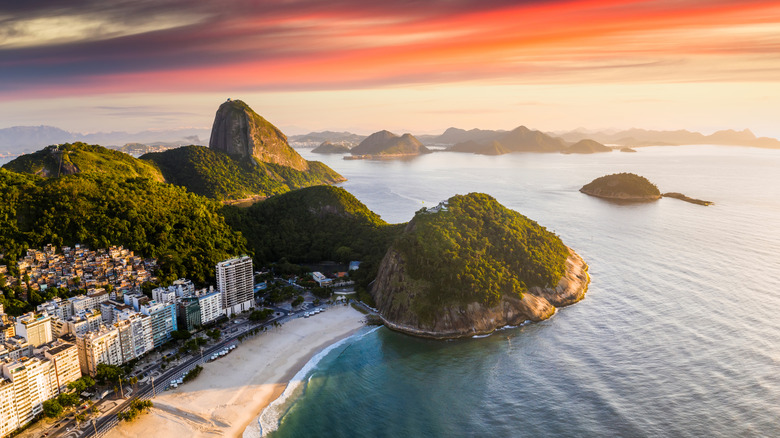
(402, 65)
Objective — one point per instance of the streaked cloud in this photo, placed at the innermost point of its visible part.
(56, 49)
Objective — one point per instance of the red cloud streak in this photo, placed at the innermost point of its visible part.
(327, 49)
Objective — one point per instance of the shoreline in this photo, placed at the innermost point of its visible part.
(537, 304)
(267, 420)
(233, 392)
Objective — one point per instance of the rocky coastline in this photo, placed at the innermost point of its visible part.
(536, 304)
(619, 196)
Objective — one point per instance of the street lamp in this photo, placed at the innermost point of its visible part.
(154, 393)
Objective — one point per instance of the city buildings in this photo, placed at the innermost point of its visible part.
(103, 346)
(163, 320)
(36, 328)
(81, 268)
(235, 280)
(64, 357)
(210, 303)
(189, 313)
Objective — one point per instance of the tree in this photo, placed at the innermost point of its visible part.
(80, 385)
(297, 301)
(68, 399)
(52, 408)
(108, 373)
(180, 335)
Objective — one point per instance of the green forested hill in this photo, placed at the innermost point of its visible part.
(68, 159)
(477, 251)
(313, 224)
(622, 186)
(185, 232)
(217, 175)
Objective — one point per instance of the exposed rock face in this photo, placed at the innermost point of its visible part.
(536, 304)
(387, 143)
(470, 266)
(238, 130)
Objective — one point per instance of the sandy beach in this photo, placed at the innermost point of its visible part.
(231, 392)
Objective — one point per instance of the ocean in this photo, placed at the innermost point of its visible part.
(679, 334)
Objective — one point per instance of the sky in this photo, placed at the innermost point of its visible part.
(406, 66)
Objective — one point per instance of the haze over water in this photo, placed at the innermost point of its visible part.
(677, 336)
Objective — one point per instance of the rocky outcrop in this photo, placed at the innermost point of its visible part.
(387, 143)
(685, 198)
(238, 130)
(536, 304)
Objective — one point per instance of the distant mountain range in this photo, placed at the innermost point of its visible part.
(314, 139)
(22, 139)
(385, 143)
(643, 137)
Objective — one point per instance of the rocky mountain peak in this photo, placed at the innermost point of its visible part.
(239, 130)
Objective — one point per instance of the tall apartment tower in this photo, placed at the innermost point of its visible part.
(36, 328)
(235, 279)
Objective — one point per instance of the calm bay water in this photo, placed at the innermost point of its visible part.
(679, 334)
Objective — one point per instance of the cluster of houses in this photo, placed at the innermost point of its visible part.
(81, 268)
(63, 339)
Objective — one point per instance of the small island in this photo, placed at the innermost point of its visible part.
(627, 150)
(385, 144)
(630, 187)
(622, 187)
(469, 266)
(586, 147)
(327, 147)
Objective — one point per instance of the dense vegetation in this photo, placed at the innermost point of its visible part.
(622, 183)
(217, 175)
(67, 159)
(136, 408)
(312, 224)
(476, 251)
(185, 232)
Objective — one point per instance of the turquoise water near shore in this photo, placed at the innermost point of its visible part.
(679, 334)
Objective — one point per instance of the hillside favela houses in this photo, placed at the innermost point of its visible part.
(112, 323)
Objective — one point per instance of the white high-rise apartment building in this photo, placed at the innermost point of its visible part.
(210, 302)
(103, 346)
(36, 328)
(135, 331)
(65, 358)
(34, 381)
(235, 279)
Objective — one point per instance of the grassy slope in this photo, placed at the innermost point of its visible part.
(92, 159)
(220, 176)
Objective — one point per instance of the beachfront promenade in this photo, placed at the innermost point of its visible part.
(232, 391)
(108, 419)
